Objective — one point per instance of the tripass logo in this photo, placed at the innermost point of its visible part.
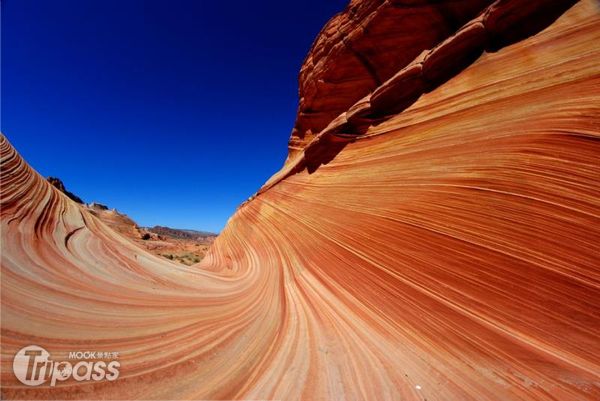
(32, 366)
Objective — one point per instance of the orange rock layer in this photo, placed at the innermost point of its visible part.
(395, 50)
(448, 251)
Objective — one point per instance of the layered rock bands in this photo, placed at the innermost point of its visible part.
(434, 234)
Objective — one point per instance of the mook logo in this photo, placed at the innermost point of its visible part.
(33, 366)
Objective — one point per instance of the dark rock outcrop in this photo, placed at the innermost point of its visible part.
(58, 184)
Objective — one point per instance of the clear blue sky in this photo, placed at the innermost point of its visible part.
(173, 112)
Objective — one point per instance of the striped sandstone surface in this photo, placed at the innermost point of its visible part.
(433, 235)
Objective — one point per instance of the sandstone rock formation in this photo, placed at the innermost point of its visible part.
(58, 184)
(184, 249)
(434, 234)
(376, 44)
(184, 246)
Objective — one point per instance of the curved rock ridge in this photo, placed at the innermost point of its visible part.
(393, 51)
(362, 47)
(449, 252)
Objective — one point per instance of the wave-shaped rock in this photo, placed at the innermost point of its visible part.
(443, 249)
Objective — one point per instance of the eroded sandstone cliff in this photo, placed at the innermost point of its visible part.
(433, 235)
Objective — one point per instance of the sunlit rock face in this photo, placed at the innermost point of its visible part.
(362, 47)
(437, 238)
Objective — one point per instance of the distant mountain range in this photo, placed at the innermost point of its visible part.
(181, 233)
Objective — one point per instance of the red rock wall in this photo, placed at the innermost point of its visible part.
(362, 47)
(385, 54)
(447, 250)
